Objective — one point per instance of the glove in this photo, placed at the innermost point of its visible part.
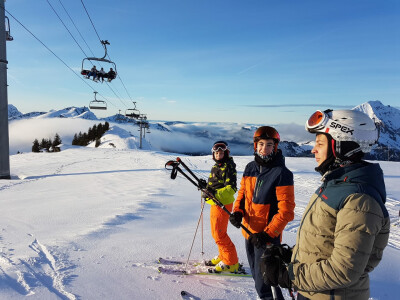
(260, 239)
(236, 219)
(202, 183)
(273, 268)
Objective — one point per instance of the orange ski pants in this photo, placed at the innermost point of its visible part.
(219, 225)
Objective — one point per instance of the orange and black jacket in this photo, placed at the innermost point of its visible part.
(266, 197)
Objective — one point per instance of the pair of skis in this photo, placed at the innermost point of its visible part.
(176, 267)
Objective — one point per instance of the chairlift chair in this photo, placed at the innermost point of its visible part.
(132, 112)
(97, 104)
(85, 71)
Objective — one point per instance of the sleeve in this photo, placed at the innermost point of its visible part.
(285, 197)
(358, 223)
(231, 177)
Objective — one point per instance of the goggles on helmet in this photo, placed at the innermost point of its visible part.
(345, 125)
(219, 147)
(320, 121)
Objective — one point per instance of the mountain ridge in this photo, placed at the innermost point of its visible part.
(239, 136)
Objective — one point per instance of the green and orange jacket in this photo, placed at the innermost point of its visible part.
(222, 181)
(266, 197)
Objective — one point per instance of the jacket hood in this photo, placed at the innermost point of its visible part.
(362, 173)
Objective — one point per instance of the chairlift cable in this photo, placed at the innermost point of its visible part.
(72, 21)
(116, 94)
(90, 20)
(66, 27)
(52, 52)
(125, 87)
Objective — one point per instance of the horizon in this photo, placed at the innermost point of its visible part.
(280, 62)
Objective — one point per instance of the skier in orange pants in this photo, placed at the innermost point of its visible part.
(222, 184)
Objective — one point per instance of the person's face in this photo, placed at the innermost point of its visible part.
(219, 155)
(320, 149)
(265, 147)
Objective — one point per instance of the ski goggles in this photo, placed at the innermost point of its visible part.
(219, 147)
(319, 121)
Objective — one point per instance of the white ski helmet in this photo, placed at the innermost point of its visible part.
(345, 126)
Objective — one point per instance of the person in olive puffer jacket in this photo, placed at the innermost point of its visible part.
(345, 226)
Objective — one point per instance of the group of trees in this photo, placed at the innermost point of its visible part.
(94, 134)
(47, 145)
(82, 139)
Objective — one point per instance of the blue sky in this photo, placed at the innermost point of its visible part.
(259, 61)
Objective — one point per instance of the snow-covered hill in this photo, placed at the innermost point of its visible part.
(90, 223)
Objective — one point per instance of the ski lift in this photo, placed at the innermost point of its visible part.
(132, 112)
(97, 104)
(8, 32)
(147, 127)
(112, 74)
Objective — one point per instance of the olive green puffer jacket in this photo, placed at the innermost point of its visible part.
(342, 235)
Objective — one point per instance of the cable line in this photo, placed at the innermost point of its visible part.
(52, 52)
(90, 20)
(66, 27)
(76, 27)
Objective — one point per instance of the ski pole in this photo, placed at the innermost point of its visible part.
(198, 184)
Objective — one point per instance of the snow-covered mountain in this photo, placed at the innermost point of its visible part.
(13, 112)
(196, 138)
(69, 112)
(389, 138)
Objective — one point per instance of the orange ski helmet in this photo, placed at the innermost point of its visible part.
(267, 133)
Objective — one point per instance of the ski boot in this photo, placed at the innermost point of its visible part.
(221, 267)
(213, 262)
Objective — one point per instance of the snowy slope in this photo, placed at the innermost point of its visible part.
(89, 223)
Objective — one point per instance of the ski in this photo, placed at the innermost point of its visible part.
(188, 296)
(165, 270)
(166, 261)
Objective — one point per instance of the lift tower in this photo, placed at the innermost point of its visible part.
(4, 139)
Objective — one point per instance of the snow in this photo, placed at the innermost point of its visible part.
(90, 223)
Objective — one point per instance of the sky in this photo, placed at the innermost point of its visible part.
(262, 61)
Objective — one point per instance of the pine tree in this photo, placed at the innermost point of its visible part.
(36, 146)
(43, 144)
(57, 140)
(92, 133)
(106, 126)
(48, 144)
(75, 140)
(100, 130)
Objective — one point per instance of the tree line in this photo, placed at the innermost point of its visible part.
(81, 139)
(94, 134)
(47, 144)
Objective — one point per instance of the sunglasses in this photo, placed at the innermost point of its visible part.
(219, 147)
